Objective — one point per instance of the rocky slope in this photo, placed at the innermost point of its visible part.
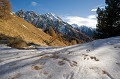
(45, 21)
(86, 61)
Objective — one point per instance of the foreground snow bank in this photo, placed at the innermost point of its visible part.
(99, 59)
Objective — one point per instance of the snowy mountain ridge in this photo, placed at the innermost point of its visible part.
(84, 29)
(40, 20)
(99, 59)
(45, 21)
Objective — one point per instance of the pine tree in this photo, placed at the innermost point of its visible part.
(109, 19)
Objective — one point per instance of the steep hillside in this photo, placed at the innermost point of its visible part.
(99, 59)
(17, 27)
(45, 21)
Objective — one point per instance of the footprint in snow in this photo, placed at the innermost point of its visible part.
(15, 76)
(1, 60)
(44, 57)
(74, 63)
(88, 50)
(12, 64)
(118, 64)
(116, 47)
(61, 63)
(36, 67)
(45, 73)
(87, 57)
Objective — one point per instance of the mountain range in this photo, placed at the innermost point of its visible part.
(49, 20)
(89, 31)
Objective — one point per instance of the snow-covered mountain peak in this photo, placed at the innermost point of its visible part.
(52, 16)
(32, 14)
(45, 21)
(74, 25)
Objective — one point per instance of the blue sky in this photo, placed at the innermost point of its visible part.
(83, 11)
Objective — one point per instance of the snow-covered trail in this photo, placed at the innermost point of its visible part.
(99, 59)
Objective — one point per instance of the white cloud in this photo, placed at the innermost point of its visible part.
(92, 17)
(90, 21)
(94, 10)
(102, 7)
(34, 3)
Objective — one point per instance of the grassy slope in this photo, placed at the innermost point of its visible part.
(16, 26)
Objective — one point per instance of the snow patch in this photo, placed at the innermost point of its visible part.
(99, 59)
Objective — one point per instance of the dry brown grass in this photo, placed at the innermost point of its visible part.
(17, 27)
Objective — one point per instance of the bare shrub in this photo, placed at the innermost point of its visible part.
(17, 43)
